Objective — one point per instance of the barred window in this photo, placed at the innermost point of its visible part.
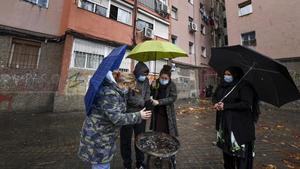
(249, 39)
(87, 60)
(24, 54)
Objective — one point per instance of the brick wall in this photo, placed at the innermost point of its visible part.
(29, 89)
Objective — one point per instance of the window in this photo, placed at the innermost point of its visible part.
(248, 39)
(174, 13)
(100, 10)
(203, 31)
(87, 6)
(41, 3)
(24, 54)
(245, 8)
(191, 1)
(87, 60)
(119, 14)
(203, 52)
(141, 24)
(191, 48)
(92, 7)
(225, 23)
(174, 39)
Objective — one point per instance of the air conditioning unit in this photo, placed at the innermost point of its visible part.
(193, 27)
(148, 33)
(164, 8)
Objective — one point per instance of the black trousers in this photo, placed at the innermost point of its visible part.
(233, 162)
(125, 143)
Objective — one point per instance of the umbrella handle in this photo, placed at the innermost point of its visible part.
(237, 83)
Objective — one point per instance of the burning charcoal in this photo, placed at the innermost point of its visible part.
(158, 144)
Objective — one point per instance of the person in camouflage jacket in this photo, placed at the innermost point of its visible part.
(101, 127)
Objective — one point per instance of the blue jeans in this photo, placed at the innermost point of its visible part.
(101, 166)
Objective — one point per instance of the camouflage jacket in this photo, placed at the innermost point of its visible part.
(101, 127)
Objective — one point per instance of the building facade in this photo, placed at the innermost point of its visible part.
(196, 26)
(51, 48)
(31, 47)
(267, 27)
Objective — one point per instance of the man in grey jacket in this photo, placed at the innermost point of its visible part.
(136, 101)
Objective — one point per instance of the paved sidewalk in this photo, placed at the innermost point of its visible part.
(50, 140)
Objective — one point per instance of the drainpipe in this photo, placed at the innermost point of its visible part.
(135, 10)
(195, 46)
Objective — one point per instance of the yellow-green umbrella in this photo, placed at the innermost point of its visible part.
(155, 50)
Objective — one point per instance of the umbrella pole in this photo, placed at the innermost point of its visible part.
(153, 116)
(237, 83)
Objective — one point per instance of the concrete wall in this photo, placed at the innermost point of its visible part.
(186, 82)
(73, 97)
(293, 66)
(30, 90)
(276, 23)
(24, 15)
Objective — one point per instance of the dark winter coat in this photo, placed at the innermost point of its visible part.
(237, 115)
(168, 101)
(101, 128)
(136, 100)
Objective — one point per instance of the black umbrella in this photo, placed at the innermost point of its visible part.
(270, 78)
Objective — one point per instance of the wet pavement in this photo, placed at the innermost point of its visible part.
(50, 140)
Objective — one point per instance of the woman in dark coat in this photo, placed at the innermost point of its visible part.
(136, 100)
(235, 120)
(164, 95)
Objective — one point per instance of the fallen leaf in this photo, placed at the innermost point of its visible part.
(265, 128)
(293, 145)
(279, 126)
(295, 156)
(264, 140)
(288, 164)
(270, 166)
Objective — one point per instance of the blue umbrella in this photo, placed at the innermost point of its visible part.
(110, 63)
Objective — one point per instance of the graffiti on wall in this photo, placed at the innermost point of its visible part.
(28, 82)
(8, 99)
(77, 82)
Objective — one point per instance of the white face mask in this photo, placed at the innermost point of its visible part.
(110, 77)
(228, 78)
(142, 78)
(163, 82)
